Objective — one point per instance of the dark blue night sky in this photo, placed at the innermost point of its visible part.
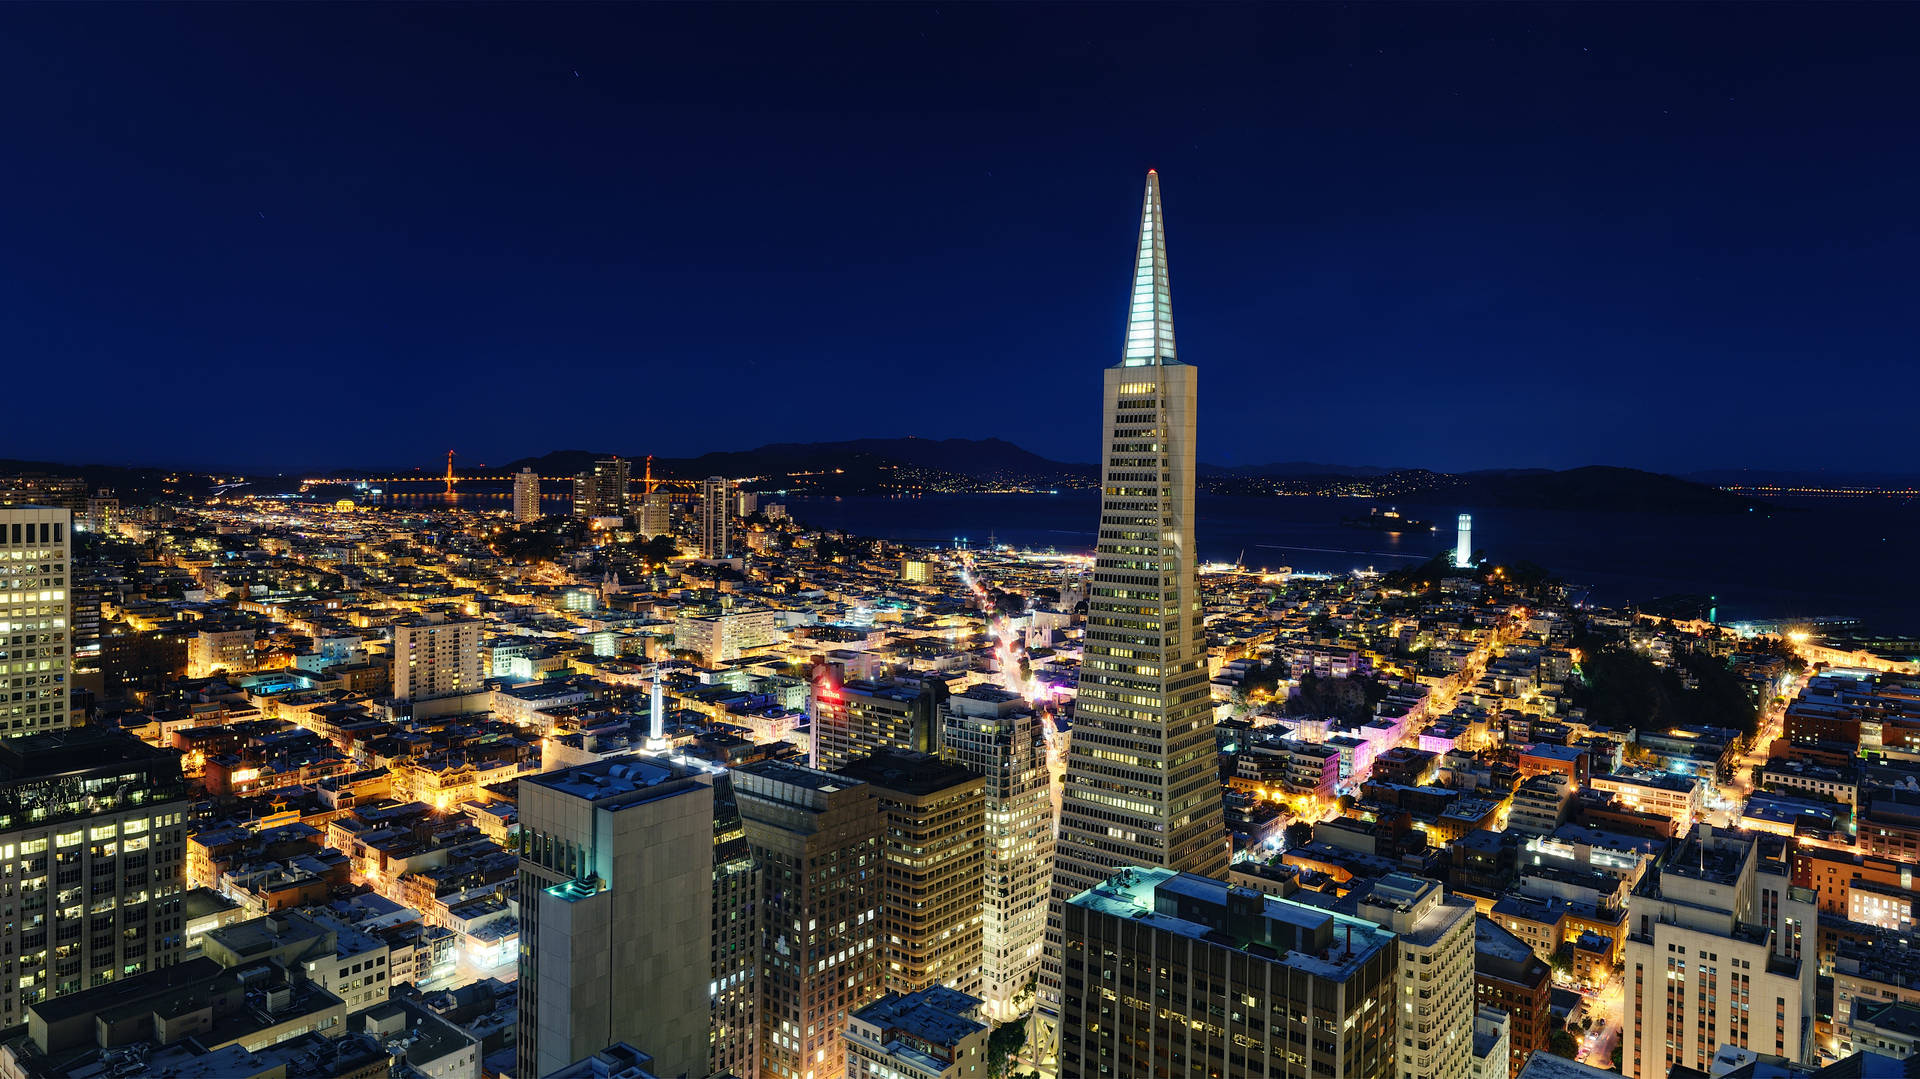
(296, 235)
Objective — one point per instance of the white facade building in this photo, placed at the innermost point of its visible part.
(993, 733)
(1436, 1019)
(1720, 951)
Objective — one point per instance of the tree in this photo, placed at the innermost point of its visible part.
(1003, 1043)
(1299, 834)
(1562, 1044)
(1563, 959)
(656, 550)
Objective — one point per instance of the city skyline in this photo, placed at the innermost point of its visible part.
(763, 764)
(1639, 250)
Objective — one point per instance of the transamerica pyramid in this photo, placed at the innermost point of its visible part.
(1142, 781)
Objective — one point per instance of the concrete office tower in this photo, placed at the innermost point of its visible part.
(1436, 974)
(716, 518)
(1172, 974)
(435, 656)
(36, 614)
(1142, 785)
(1712, 931)
(816, 839)
(616, 913)
(1463, 546)
(991, 732)
(734, 1048)
(526, 495)
(934, 853)
(97, 821)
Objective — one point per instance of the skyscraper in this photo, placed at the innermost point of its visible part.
(933, 853)
(816, 838)
(1435, 971)
(617, 863)
(1142, 786)
(736, 941)
(98, 819)
(1210, 979)
(602, 492)
(1463, 549)
(35, 614)
(526, 495)
(716, 517)
(992, 731)
(859, 717)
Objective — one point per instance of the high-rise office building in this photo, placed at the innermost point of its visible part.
(716, 517)
(934, 854)
(435, 656)
(1436, 973)
(616, 913)
(993, 733)
(852, 719)
(816, 838)
(92, 835)
(1142, 779)
(526, 495)
(1463, 545)
(35, 618)
(1714, 955)
(1172, 974)
(603, 490)
(736, 941)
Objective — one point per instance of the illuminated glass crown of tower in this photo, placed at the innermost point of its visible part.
(1150, 318)
(1142, 778)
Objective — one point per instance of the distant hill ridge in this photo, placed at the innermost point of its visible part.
(873, 464)
(881, 465)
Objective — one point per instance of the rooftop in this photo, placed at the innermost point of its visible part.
(936, 1016)
(1280, 931)
(908, 772)
(617, 780)
(798, 775)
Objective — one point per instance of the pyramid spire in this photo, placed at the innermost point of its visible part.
(1150, 317)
